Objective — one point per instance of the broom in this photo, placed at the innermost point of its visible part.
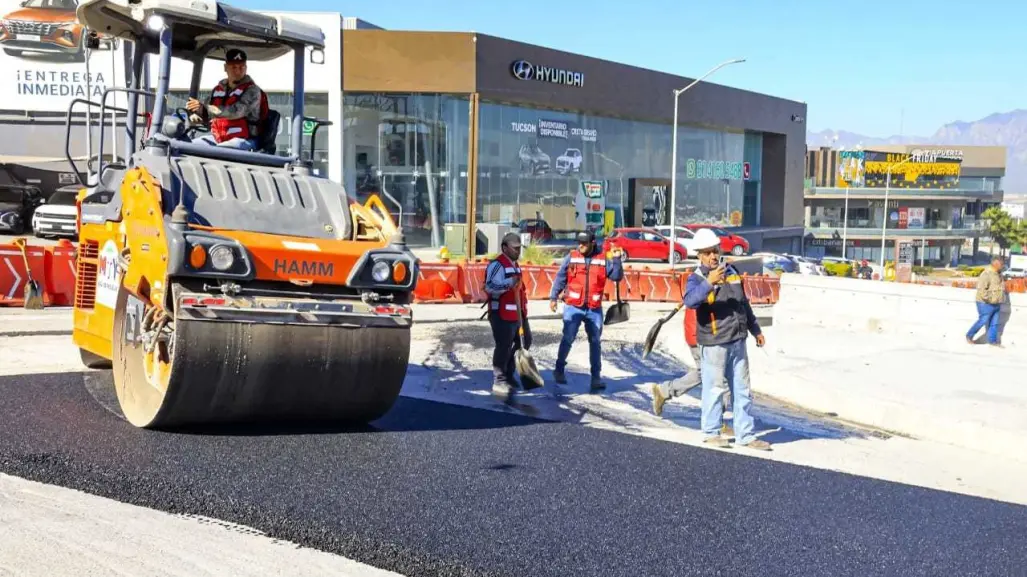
(33, 294)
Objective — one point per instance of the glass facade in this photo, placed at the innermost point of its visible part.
(315, 104)
(564, 171)
(413, 147)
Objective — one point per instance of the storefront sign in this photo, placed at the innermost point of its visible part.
(903, 217)
(590, 205)
(916, 217)
(933, 172)
(524, 70)
(714, 169)
(931, 155)
(553, 129)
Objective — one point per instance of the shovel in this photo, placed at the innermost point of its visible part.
(618, 313)
(33, 294)
(650, 339)
(523, 361)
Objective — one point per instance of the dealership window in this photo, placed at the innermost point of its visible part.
(414, 148)
(573, 170)
(315, 104)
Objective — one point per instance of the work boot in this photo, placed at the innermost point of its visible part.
(658, 400)
(757, 444)
(597, 385)
(559, 377)
(502, 391)
(717, 441)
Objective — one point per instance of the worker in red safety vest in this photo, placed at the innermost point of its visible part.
(582, 278)
(236, 110)
(504, 285)
(663, 392)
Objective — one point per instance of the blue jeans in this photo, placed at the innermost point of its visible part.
(239, 143)
(572, 319)
(987, 315)
(726, 367)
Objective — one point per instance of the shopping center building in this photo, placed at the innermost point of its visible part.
(935, 197)
(464, 128)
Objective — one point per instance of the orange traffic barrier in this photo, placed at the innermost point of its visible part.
(473, 285)
(659, 286)
(757, 290)
(14, 277)
(538, 280)
(628, 287)
(438, 283)
(60, 275)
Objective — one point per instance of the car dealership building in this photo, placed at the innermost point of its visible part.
(464, 128)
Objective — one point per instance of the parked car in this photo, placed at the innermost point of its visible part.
(729, 243)
(533, 159)
(17, 205)
(807, 265)
(539, 229)
(643, 244)
(569, 161)
(1014, 273)
(681, 234)
(57, 216)
(778, 262)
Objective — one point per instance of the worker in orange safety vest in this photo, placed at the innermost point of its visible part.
(236, 110)
(582, 278)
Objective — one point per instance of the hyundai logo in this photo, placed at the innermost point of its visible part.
(523, 70)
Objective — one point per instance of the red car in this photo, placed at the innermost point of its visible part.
(643, 244)
(729, 243)
(539, 229)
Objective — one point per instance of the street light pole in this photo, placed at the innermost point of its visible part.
(674, 158)
(884, 226)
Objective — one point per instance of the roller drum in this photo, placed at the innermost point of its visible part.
(236, 372)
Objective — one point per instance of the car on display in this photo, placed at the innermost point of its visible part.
(17, 205)
(729, 243)
(643, 244)
(49, 27)
(681, 234)
(538, 228)
(56, 217)
(569, 161)
(533, 159)
(807, 265)
(774, 262)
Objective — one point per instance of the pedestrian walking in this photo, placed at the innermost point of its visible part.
(582, 277)
(724, 319)
(503, 283)
(663, 392)
(991, 293)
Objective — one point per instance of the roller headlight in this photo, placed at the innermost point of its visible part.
(380, 271)
(221, 257)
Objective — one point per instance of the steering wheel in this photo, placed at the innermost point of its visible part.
(189, 126)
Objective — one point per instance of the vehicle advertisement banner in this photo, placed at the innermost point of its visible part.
(42, 64)
(556, 147)
(590, 206)
(916, 217)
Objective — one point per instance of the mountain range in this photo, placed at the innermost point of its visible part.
(1007, 129)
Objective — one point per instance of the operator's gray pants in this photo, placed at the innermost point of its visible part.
(691, 380)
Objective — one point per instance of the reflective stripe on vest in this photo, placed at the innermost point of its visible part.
(585, 284)
(506, 304)
(225, 128)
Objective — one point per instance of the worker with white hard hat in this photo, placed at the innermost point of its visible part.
(724, 319)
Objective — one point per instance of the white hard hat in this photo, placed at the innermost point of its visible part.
(704, 239)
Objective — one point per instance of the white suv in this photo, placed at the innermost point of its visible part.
(569, 161)
(56, 217)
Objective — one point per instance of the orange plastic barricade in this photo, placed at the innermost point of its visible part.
(60, 275)
(538, 280)
(438, 283)
(659, 286)
(473, 290)
(628, 287)
(13, 276)
(774, 284)
(756, 289)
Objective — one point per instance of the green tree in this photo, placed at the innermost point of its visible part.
(1002, 228)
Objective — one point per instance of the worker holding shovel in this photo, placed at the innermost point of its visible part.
(724, 320)
(508, 311)
(582, 278)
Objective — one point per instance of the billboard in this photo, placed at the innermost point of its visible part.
(43, 65)
(919, 171)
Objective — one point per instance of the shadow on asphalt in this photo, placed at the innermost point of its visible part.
(406, 415)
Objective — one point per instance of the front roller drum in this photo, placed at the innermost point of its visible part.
(220, 372)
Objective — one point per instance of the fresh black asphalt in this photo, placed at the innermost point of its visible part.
(435, 489)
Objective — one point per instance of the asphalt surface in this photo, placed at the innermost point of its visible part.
(434, 489)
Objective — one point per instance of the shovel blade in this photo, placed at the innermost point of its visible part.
(33, 295)
(617, 313)
(530, 377)
(650, 339)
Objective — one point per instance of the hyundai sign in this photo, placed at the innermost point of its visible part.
(524, 70)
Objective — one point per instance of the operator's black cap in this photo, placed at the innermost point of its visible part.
(235, 55)
(585, 237)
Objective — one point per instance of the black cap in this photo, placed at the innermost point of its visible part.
(585, 237)
(235, 55)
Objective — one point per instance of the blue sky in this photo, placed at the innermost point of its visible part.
(864, 66)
